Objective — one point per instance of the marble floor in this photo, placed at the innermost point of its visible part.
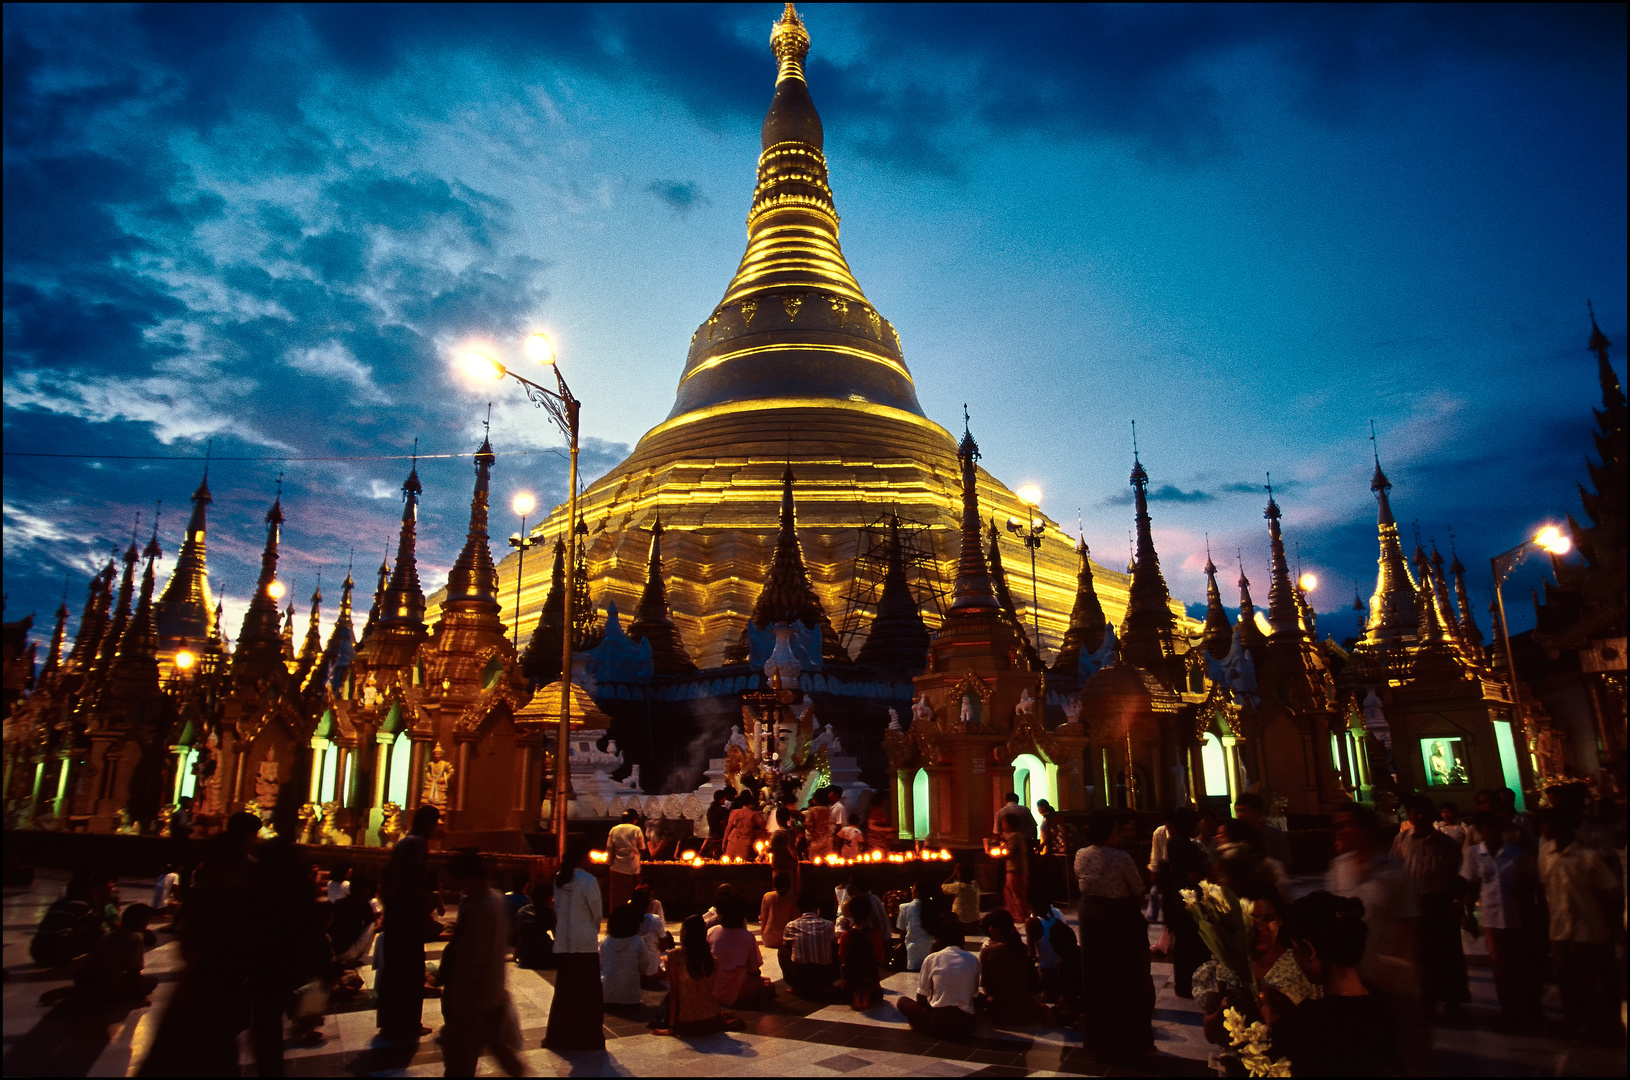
(792, 1039)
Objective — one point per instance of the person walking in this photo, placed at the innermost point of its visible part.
(623, 846)
(1432, 859)
(405, 892)
(479, 1016)
(1362, 870)
(576, 1014)
(1184, 866)
(1016, 827)
(1497, 874)
(1118, 992)
(1584, 896)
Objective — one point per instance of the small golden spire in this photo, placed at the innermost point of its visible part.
(790, 43)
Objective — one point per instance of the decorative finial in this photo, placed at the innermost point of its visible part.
(280, 485)
(1374, 448)
(1134, 440)
(416, 450)
(966, 430)
(486, 424)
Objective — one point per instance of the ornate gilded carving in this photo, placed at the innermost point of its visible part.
(840, 308)
(792, 304)
(438, 779)
(896, 335)
(876, 322)
(749, 308)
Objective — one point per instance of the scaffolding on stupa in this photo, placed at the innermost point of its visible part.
(872, 565)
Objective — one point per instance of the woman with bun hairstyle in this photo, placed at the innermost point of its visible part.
(1349, 1031)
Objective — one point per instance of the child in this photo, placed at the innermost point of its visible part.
(623, 957)
(860, 951)
(112, 973)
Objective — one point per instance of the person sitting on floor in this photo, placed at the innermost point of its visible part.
(946, 989)
(807, 945)
(1006, 974)
(917, 921)
(860, 953)
(1058, 956)
(624, 957)
(112, 973)
(167, 892)
(737, 981)
(693, 1010)
(964, 896)
(654, 929)
(779, 907)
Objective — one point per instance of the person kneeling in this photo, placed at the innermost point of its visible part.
(693, 1010)
(946, 988)
(112, 973)
(737, 979)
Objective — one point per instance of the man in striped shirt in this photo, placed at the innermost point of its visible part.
(806, 953)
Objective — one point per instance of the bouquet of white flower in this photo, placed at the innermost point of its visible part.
(1225, 928)
(1254, 1042)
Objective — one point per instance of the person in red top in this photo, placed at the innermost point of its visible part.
(779, 907)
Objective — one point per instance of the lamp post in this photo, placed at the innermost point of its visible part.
(1552, 541)
(1030, 533)
(563, 409)
(522, 505)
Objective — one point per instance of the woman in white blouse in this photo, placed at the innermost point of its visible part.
(576, 1013)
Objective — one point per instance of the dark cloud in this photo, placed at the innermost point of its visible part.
(680, 196)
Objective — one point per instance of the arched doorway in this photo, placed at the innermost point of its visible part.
(1033, 782)
(1214, 765)
(919, 805)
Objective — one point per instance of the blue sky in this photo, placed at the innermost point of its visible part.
(1251, 229)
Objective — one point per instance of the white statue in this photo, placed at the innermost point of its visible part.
(370, 691)
(969, 717)
(737, 739)
(826, 740)
(1025, 711)
(921, 711)
(266, 779)
(611, 746)
(1072, 710)
(894, 720)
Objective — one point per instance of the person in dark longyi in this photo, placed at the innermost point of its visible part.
(405, 893)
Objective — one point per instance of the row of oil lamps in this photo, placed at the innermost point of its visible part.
(690, 858)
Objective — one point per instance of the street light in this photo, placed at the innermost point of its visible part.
(1551, 540)
(1030, 533)
(563, 409)
(522, 505)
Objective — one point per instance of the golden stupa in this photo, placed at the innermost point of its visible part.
(793, 365)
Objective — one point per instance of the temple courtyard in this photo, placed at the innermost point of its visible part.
(796, 1038)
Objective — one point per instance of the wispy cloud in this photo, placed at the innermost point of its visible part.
(679, 196)
(333, 360)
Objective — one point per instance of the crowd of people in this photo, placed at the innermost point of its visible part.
(1350, 978)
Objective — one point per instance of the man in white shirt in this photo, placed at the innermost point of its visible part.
(946, 989)
(623, 846)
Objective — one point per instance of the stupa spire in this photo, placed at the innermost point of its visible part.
(1147, 640)
(1392, 620)
(378, 605)
(186, 610)
(1429, 628)
(653, 621)
(473, 583)
(1440, 594)
(259, 644)
(1004, 596)
(113, 637)
(794, 327)
(286, 638)
(1246, 625)
(1087, 621)
(1217, 635)
(311, 649)
(404, 598)
(541, 661)
(973, 590)
(53, 658)
(1469, 630)
(788, 595)
(1284, 608)
(342, 640)
(93, 619)
(898, 638)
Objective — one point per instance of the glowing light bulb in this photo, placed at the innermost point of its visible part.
(1554, 540)
(1029, 494)
(276, 590)
(523, 504)
(478, 366)
(1309, 582)
(184, 660)
(540, 349)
